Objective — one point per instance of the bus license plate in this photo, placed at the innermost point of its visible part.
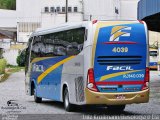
(120, 97)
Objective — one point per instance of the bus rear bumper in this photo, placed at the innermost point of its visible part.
(111, 98)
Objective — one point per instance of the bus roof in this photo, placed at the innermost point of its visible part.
(67, 26)
(58, 28)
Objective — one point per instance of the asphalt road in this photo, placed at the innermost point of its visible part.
(14, 89)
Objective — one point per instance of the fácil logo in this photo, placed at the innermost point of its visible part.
(37, 68)
(117, 32)
(121, 68)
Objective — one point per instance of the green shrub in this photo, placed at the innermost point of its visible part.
(2, 66)
(21, 59)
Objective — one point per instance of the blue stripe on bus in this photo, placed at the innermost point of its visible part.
(104, 53)
(49, 87)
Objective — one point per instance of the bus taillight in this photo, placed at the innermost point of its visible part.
(94, 21)
(91, 82)
(140, 21)
(146, 81)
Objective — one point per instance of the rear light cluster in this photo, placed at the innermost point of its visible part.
(142, 22)
(91, 82)
(146, 80)
(94, 21)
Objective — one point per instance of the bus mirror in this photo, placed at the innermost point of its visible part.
(86, 34)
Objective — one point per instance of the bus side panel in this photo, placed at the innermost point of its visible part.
(72, 76)
(46, 74)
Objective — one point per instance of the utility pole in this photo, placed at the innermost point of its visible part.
(66, 11)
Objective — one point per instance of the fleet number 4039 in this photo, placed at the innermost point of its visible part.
(120, 49)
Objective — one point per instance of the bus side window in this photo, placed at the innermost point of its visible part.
(75, 37)
(37, 48)
(55, 46)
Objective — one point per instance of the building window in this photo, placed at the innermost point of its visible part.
(69, 9)
(58, 9)
(52, 9)
(75, 9)
(46, 9)
(63, 9)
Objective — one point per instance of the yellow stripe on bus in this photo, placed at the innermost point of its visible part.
(40, 59)
(116, 29)
(105, 77)
(45, 73)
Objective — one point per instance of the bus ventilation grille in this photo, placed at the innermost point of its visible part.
(79, 88)
(119, 60)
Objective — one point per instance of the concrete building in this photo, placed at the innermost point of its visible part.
(44, 13)
(8, 29)
(33, 14)
(110, 9)
(8, 19)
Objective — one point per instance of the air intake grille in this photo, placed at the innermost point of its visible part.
(119, 60)
(79, 88)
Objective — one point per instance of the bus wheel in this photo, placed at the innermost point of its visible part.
(37, 99)
(67, 105)
(118, 108)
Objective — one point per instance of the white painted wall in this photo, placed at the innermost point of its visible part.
(99, 9)
(23, 36)
(128, 9)
(10, 55)
(105, 9)
(33, 11)
(54, 19)
(5, 43)
(8, 18)
(28, 10)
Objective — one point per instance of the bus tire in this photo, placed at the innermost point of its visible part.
(67, 105)
(115, 108)
(37, 99)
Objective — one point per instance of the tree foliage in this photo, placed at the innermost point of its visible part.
(2, 66)
(8, 4)
(21, 59)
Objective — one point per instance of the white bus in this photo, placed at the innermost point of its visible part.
(99, 62)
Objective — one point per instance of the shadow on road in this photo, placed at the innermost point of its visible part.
(99, 110)
(87, 109)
